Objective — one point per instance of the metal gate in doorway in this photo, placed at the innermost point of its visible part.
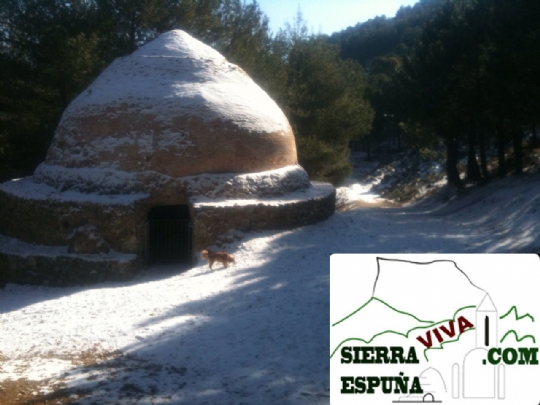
(168, 235)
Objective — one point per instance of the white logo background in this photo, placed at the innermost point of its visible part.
(372, 294)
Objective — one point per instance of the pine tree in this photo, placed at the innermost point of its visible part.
(324, 99)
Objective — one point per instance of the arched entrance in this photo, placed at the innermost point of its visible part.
(168, 235)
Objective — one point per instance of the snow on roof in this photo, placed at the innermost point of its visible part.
(110, 181)
(28, 188)
(17, 247)
(178, 75)
(269, 182)
(83, 179)
(318, 190)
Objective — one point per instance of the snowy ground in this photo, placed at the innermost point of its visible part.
(256, 333)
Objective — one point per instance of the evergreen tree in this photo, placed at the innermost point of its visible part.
(48, 54)
(324, 101)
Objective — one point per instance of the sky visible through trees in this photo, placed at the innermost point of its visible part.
(329, 16)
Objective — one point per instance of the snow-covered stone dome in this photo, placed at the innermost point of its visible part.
(175, 107)
(167, 152)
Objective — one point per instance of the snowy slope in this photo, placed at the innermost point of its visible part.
(254, 333)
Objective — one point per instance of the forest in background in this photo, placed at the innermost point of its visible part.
(461, 75)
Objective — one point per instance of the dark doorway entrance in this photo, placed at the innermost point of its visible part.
(168, 235)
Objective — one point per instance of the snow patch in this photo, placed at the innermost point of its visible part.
(268, 183)
(17, 247)
(317, 190)
(28, 188)
(109, 181)
(35, 370)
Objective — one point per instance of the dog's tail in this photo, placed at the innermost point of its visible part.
(204, 254)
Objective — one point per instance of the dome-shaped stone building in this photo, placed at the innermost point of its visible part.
(169, 148)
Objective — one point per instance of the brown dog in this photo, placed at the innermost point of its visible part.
(222, 257)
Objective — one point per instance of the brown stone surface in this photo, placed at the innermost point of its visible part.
(214, 147)
(49, 222)
(213, 219)
(86, 239)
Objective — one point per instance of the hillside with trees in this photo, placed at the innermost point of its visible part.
(472, 83)
(382, 37)
(457, 76)
(380, 45)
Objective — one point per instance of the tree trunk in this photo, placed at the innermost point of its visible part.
(517, 140)
(500, 151)
(473, 171)
(452, 173)
(482, 146)
(367, 146)
(132, 33)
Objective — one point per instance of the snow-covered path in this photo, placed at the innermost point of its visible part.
(255, 333)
